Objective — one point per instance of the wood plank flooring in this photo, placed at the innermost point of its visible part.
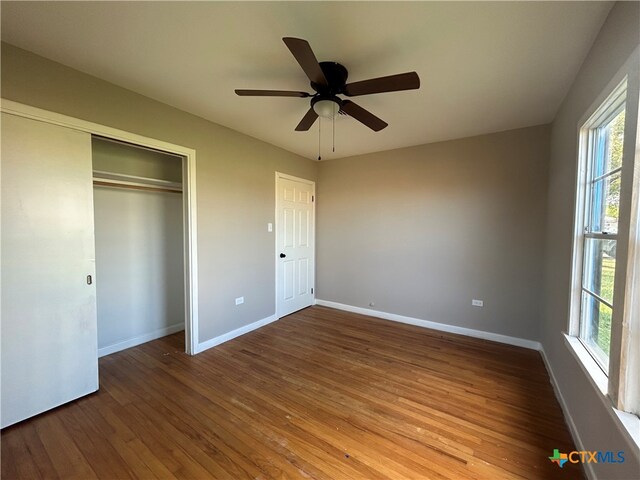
(319, 394)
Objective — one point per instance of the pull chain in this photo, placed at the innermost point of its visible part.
(319, 125)
(334, 133)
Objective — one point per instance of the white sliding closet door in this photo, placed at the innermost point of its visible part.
(49, 329)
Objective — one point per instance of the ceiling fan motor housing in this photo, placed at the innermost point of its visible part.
(336, 75)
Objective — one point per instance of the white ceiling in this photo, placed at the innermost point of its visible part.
(484, 67)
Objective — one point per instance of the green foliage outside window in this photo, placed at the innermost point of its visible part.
(616, 137)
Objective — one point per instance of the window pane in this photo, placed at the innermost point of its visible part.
(599, 267)
(614, 132)
(604, 204)
(595, 328)
(608, 146)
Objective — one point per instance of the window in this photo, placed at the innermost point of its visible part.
(603, 137)
(604, 321)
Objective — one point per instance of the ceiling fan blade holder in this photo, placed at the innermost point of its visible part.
(303, 54)
(308, 120)
(271, 93)
(363, 116)
(392, 83)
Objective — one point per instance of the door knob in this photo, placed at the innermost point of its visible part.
(282, 255)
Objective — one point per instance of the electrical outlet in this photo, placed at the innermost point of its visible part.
(477, 303)
(269, 227)
(239, 300)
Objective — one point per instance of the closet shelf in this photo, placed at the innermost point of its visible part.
(122, 180)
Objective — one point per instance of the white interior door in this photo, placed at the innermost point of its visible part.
(295, 244)
(49, 327)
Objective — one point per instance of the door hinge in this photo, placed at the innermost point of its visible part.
(312, 290)
(313, 198)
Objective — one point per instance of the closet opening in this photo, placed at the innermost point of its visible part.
(139, 215)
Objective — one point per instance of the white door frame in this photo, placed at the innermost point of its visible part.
(188, 196)
(286, 176)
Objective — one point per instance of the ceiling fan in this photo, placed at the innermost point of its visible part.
(328, 80)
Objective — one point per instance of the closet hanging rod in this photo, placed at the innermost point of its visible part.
(134, 186)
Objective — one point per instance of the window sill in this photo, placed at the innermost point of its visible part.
(631, 424)
(588, 364)
(628, 423)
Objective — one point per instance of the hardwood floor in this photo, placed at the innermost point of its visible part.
(318, 394)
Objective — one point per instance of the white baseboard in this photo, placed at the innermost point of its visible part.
(588, 467)
(469, 332)
(201, 347)
(147, 337)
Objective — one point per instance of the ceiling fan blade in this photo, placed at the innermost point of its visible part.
(271, 93)
(308, 120)
(392, 83)
(363, 116)
(304, 55)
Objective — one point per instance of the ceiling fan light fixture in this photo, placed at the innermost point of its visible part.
(326, 108)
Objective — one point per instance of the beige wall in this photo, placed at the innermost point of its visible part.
(421, 231)
(595, 425)
(235, 183)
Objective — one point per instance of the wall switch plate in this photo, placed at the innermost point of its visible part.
(269, 227)
(239, 300)
(477, 303)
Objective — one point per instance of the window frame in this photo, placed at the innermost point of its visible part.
(624, 357)
(626, 386)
